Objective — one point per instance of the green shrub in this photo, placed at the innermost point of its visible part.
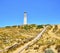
(27, 27)
(7, 26)
(39, 26)
(33, 25)
(49, 51)
(47, 25)
(14, 26)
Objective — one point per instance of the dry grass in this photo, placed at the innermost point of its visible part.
(23, 34)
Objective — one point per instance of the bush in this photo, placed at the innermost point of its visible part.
(33, 25)
(39, 26)
(14, 26)
(18, 26)
(49, 51)
(7, 26)
(27, 27)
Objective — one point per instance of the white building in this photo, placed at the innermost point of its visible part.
(25, 18)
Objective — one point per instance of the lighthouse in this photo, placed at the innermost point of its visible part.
(25, 18)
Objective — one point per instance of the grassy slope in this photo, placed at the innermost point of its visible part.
(16, 34)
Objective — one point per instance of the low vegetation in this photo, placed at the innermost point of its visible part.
(20, 35)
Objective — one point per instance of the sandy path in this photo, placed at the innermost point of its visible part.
(20, 49)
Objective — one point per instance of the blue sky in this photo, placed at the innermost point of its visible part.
(39, 12)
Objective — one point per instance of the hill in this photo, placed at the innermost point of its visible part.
(17, 36)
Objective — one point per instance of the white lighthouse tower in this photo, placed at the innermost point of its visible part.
(25, 18)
